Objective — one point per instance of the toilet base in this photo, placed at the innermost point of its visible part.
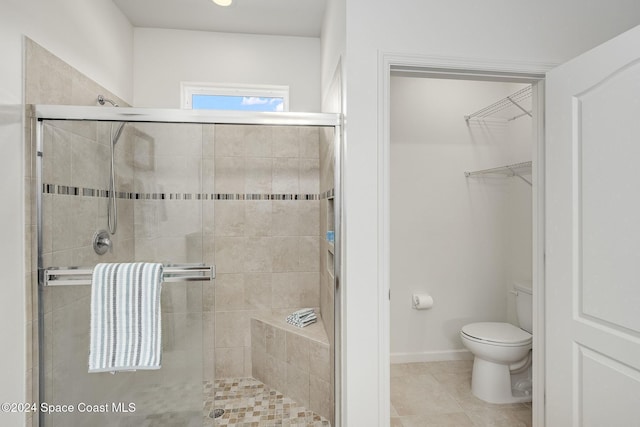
(491, 382)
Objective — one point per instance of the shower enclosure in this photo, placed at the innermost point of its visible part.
(242, 209)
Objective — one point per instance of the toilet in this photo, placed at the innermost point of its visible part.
(502, 354)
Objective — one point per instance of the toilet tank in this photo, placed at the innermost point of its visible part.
(524, 306)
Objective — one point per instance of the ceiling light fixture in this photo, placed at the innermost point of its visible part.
(222, 2)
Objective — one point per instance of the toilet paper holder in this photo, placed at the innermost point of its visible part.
(421, 301)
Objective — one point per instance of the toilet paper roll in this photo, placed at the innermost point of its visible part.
(422, 301)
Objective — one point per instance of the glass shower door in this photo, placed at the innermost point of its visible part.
(160, 215)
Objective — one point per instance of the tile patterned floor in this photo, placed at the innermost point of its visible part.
(249, 403)
(439, 394)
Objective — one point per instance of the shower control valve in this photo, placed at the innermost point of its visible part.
(101, 242)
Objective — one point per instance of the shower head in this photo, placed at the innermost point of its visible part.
(102, 100)
(114, 136)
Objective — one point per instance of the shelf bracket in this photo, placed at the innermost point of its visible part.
(520, 176)
(519, 106)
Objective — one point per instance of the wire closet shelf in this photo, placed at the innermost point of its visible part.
(515, 169)
(514, 100)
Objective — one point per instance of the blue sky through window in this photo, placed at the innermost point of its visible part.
(236, 103)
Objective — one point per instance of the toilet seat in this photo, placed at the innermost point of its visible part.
(497, 333)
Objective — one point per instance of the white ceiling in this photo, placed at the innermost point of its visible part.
(273, 17)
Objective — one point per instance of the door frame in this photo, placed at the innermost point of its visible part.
(459, 68)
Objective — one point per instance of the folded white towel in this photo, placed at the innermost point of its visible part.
(302, 318)
(125, 317)
(306, 316)
(303, 325)
(302, 312)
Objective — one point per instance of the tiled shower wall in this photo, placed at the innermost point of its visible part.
(327, 223)
(327, 250)
(266, 251)
(77, 155)
(172, 169)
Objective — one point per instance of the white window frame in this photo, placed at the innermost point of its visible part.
(188, 89)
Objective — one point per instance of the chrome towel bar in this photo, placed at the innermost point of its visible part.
(64, 276)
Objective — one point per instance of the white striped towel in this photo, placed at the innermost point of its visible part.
(126, 323)
(301, 318)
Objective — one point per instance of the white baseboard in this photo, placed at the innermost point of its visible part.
(431, 356)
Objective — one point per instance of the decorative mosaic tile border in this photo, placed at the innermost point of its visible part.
(92, 192)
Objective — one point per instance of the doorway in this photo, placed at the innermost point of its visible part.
(461, 237)
(437, 266)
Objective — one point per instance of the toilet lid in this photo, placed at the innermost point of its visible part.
(497, 332)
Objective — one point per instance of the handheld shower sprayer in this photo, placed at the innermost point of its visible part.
(112, 206)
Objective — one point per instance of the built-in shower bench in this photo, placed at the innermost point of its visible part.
(295, 361)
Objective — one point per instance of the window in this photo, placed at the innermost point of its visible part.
(209, 96)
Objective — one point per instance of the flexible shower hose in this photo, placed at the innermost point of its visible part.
(112, 205)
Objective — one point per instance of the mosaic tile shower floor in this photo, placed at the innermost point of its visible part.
(247, 402)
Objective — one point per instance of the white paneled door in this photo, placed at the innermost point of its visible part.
(592, 161)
